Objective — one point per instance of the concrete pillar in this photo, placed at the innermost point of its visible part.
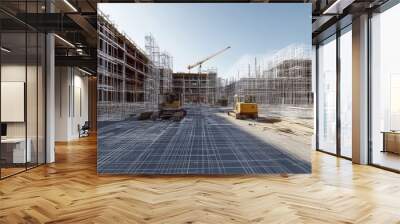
(314, 91)
(50, 98)
(50, 91)
(360, 89)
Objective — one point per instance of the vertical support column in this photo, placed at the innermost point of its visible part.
(92, 101)
(360, 89)
(50, 92)
(314, 91)
(50, 98)
(338, 96)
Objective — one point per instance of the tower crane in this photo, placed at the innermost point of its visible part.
(200, 63)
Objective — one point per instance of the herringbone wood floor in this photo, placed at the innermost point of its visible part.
(70, 191)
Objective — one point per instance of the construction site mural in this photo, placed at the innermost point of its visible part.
(204, 89)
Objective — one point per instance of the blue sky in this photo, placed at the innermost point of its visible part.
(191, 32)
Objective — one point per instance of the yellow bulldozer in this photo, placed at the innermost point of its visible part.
(171, 107)
(243, 109)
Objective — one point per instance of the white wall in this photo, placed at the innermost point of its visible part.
(80, 109)
(33, 126)
(14, 73)
(13, 101)
(71, 87)
(62, 82)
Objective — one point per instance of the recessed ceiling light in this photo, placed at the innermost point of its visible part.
(86, 72)
(70, 5)
(338, 6)
(64, 40)
(5, 50)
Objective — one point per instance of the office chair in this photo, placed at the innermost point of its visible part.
(84, 130)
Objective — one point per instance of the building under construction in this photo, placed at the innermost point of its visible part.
(196, 87)
(162, 65)
(129, 79)
(286, 79)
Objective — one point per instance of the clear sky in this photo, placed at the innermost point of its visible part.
(191, 32)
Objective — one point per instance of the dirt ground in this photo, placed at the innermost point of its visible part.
(287, 127)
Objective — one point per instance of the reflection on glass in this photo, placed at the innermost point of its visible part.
(22, 90)
(346, 93)
(327, 96)
(14, 153)
(386, 89)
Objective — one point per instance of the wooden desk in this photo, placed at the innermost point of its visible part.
(391, 141)
(13, 150)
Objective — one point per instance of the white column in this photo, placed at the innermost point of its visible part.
(50, 91)
(360, 90)
(50, 98)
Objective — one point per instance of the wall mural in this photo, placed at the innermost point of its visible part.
(204, 89)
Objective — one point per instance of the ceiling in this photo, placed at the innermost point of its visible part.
(76, 20)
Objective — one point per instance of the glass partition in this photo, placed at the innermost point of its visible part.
(327, 95)
(22, 77)
(385, 89)
(346, 92)
(13, 109)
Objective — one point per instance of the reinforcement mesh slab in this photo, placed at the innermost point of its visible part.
(202, 143)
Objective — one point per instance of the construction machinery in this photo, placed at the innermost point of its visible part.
(171, 107)
(243, 109)
(200, 63)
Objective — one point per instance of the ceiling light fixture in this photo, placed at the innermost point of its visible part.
(79, 51)
(64, 40)
(70, 5)
(5, 50)
(86, 72)
(337, 7)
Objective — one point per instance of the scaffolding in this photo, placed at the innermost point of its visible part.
(151, 85)
(285, 78)
(128, 76)
(162, 65)
(196, 88)
(130, 79)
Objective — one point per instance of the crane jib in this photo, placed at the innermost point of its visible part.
(208, 58)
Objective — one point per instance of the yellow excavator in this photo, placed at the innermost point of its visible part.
(244, 109)
(171, 107)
